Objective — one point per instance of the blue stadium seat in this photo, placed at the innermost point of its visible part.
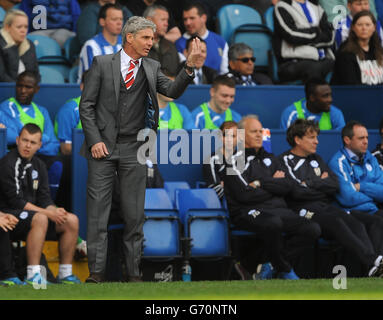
(72, 49)
(172, 186)
(269, 18)
(205, 222)
(231, 16)
(47, 49)
(2, 16)
(161, 227)
(50, 75)
(73, 74)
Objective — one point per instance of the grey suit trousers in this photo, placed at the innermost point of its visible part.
(132, 176)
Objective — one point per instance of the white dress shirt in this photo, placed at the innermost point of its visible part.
(125, 63)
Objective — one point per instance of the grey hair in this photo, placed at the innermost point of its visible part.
(151, 10)
(134, 25)
(238, 49)
(241, 123)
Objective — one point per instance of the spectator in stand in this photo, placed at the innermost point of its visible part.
(60, 18)
(137, 7)
(378, 151)
(195, 17)
(360, 59)
(336, 10)
(343, 28)
(316, 106)
(6, 5)
(88, 23)
(162, 50)
(108, 41)
(242, 66)
(17, 53)
(302, 40)
(203, 74)
(210, 115)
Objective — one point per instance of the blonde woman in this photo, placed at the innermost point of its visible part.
(17, 53)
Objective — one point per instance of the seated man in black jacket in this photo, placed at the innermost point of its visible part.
(313, 186)
(255, 200)
(24, 192)
(214, 169)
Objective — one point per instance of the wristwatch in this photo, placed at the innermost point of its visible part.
(189, 69)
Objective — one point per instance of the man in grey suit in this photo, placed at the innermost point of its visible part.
(119, 100)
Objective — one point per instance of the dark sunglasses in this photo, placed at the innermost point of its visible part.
(246, 60)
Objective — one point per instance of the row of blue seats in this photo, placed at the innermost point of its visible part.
(177, 212)
(55, 64)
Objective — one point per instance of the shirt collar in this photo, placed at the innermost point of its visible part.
(125, 58)
(351, 154)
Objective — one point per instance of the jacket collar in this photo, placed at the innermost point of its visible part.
(22, 48)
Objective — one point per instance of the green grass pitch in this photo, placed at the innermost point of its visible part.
(319, 289)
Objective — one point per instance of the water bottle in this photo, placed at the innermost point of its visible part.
(186, 271)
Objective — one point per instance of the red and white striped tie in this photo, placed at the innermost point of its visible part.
(129, 78)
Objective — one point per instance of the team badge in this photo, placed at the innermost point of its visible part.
(254, 213)
(306, 214)
(35, 174)
(267, 162)
(35, 184)
(23, 215)
(368, 167)
(314, 164)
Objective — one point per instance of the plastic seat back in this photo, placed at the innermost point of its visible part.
(231, 16)
(172, 186)
(50, 75)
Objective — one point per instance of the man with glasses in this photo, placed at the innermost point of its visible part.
(241, 66)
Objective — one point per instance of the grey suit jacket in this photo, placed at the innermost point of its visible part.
(99, 99)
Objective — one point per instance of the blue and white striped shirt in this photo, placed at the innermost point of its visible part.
(96, 46)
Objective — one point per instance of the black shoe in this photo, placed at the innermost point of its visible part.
(95, 278)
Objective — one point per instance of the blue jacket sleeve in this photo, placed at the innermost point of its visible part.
(338, 119)
(374, 189)
(348, 196)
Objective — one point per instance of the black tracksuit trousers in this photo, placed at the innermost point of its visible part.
(270, 226)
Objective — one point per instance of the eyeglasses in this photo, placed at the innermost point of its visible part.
(246, 60)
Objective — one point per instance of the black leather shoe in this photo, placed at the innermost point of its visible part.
(95, 278)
